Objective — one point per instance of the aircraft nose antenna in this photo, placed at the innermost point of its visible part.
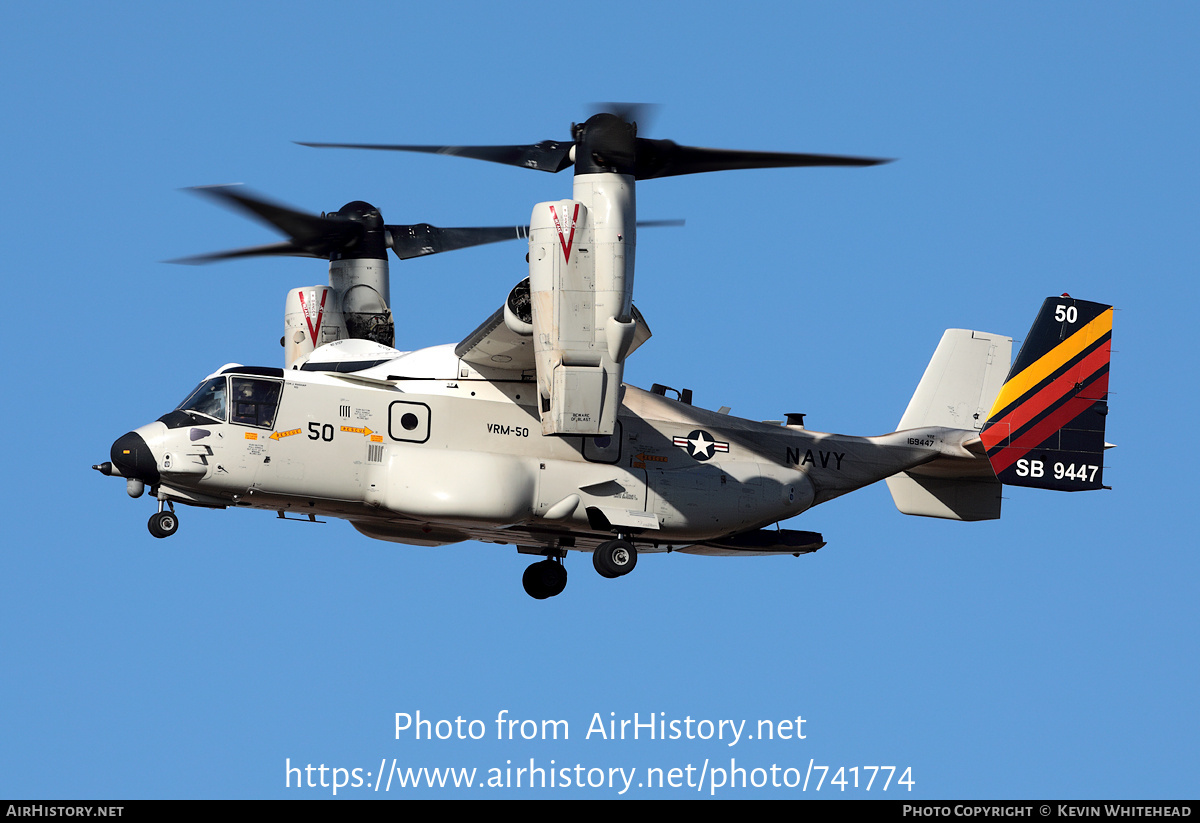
(133, 458)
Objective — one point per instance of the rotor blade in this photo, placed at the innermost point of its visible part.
(660, 224)
(311, 235)
(421, 239)
(273, 250)
(293, 223)
(547, 155)
(665, 158)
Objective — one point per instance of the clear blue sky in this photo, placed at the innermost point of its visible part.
(1041, 148)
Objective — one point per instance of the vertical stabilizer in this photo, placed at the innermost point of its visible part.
(956, 391)
(1046, 428)
(961, 381)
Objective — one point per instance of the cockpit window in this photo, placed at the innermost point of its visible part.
(255, 401)
(208, 399)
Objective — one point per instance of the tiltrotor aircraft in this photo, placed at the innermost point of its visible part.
(524, 433)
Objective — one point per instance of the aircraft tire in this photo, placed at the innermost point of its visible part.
(544, 579)
(163, 524)
(614, 558)
(598, 563)
(557, 573)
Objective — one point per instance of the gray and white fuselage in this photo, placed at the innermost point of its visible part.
(424, 449)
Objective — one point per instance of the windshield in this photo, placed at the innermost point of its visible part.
(208, 399)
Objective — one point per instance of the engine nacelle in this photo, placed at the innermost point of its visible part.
(312, 317)
(583, 323)
(363, 286)
(518, 310)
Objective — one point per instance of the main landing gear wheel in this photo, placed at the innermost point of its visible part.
(545, 579)
(163, 524)
(614, 558)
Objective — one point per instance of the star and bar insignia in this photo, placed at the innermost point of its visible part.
(701, 445)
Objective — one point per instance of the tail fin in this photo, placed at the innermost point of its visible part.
(962, 379)
(1046, 428)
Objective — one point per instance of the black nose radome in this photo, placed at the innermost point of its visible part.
(133, 458)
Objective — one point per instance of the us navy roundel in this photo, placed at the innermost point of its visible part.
(701, 445)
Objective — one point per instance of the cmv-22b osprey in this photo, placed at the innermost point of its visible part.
(525, 434)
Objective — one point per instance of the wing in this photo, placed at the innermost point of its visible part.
(505, 340)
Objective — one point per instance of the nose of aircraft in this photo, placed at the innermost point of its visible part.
(133, 458)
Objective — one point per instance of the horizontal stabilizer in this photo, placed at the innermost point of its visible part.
(950, 498)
